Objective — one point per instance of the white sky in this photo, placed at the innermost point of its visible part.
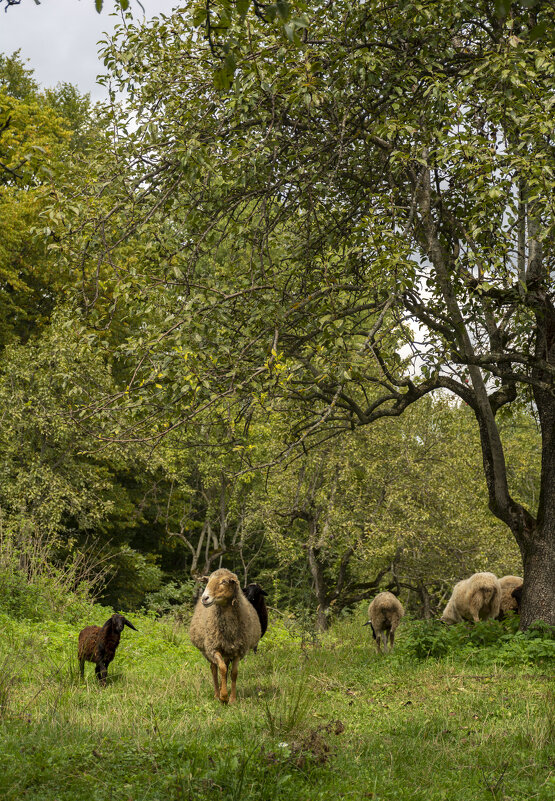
(59, 38)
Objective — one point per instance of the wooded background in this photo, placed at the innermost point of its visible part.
(284, 304)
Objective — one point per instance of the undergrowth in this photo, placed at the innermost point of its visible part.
(486, 642)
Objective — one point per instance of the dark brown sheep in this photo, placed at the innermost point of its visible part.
(98, 644)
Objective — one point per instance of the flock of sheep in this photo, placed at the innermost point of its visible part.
(229, 621)
(479, 597)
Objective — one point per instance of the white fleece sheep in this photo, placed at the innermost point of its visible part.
(224, 627)
(384, 615)
(509, 603)
(475, 598)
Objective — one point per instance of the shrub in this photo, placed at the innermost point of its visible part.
(34, 587)
(486, 641)
(172, 598)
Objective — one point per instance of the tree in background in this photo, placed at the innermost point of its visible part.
(384, 173)
(39, 132)
(396, 505)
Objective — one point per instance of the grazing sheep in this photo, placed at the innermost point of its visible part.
(98, 644)
(475, 598)
(255, 594)
(384, 615)
(517, 595)
(224, 628)
(509, 601)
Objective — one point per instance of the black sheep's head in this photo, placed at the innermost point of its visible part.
(253, 592)
(517, 595)
(117, 622)
(369, 623)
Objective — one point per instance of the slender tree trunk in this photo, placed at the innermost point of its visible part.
(320, 589)
(425, 600)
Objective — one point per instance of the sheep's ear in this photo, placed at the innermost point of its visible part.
(263, 592)
(367, 623)
(127, 623)
(204, 578)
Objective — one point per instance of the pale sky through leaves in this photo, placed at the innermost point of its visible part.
(59, 38)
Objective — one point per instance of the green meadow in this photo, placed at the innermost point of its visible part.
(322, 719)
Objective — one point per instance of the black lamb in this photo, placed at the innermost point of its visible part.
(98, 644)
(255, 594)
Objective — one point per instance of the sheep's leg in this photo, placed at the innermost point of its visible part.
(223, 675)
(101, 672)
(82, 668)
(475, 606)
(391, 639)
(379, 642)
(234, 672)
(214, 669)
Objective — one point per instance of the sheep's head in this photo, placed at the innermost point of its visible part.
(254, 592)
(222, 588)
(369, 623)
(117, 622)
(517, 595)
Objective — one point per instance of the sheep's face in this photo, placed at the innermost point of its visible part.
(221, 589)
(118, 623)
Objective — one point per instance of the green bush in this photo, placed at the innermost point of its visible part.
(172, 598)
(486, 641)
(34, 586)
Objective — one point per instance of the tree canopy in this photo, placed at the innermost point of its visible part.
(361, 215)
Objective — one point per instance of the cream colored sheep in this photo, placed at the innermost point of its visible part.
(475, 598)
(509, 603)
(384, 615)
(224, 628)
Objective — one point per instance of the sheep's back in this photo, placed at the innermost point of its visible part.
(385, 611)
(88, 640)
(486, 585)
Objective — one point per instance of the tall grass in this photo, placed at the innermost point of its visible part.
(330, 721)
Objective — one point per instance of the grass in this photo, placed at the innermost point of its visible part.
(328, 721)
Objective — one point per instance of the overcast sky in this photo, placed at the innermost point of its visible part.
(59, 37)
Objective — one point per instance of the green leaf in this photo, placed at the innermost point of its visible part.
(243, 7)
(283, 9)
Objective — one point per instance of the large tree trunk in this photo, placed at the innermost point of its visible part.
(538, 599)
(538, 547)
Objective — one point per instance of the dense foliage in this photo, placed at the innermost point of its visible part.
(230, 264)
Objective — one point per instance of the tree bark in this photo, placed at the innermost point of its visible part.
(538, 597)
